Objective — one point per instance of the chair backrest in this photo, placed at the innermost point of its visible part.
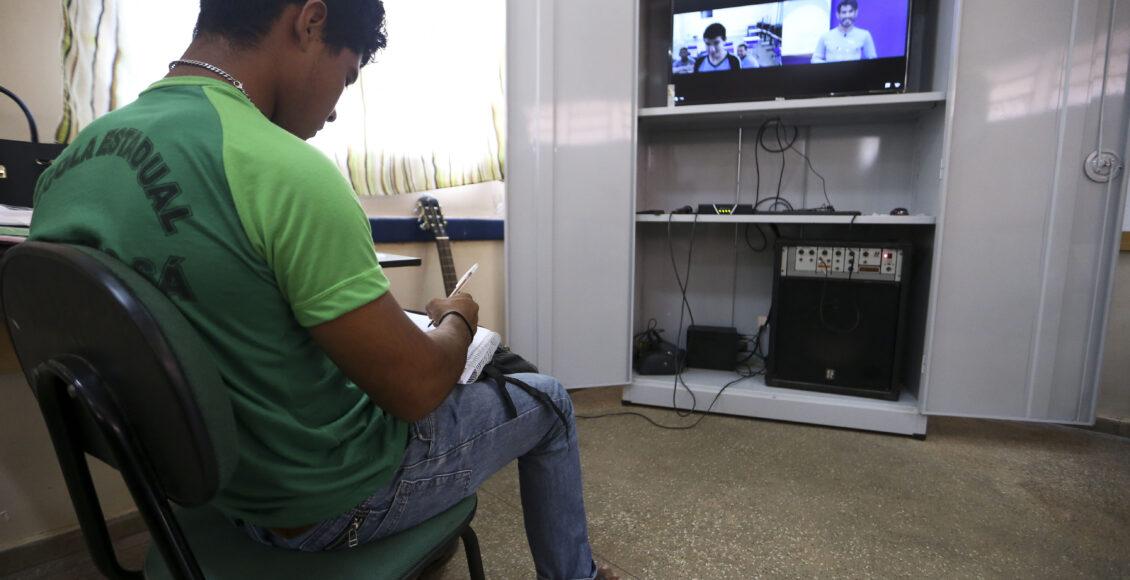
(70, 303)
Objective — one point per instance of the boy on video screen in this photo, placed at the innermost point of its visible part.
(684, 64)
(716, 57)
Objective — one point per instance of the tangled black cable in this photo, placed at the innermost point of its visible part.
(755, 346)
(776, 202)
(749, 374)
(649, 337)
(823, 183)
(691, 412)
(764, 238)
(778, 126)
(674, 267)
(684, 308)
(651, 331)
(784, 143)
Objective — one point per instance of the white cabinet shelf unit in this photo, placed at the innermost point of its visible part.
(867, 153)
(1012, 246)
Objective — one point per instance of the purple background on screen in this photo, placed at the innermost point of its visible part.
(885, 20)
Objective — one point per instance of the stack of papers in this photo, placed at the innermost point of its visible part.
(14, 222)
(15, 216)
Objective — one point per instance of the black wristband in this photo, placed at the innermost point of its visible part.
(470, 329)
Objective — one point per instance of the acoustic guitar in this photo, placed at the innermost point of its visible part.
(431, 219)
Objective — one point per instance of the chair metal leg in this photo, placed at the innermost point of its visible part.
(85, 388)
(61, 425)
(474, 556)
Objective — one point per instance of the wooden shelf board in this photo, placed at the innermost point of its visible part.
(852, 108)
(753, 398)
(875, 219)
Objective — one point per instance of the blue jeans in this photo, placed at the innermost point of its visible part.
(452, 451)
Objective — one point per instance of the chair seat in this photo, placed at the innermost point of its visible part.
(225, 552)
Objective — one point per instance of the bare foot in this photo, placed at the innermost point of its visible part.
(604, 572)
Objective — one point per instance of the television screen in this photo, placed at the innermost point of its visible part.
(726, 51)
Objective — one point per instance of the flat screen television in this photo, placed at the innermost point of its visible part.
(748, 50)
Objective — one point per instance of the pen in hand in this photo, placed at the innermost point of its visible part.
(463, 281)
(459, 285)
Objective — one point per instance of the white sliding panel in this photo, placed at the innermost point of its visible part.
(1023, 279)
(571, 102)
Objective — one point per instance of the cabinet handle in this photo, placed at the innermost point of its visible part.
(1103, 165)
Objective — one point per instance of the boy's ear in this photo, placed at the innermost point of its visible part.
(310, 24)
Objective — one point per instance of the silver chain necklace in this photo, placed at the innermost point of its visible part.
(215, 69)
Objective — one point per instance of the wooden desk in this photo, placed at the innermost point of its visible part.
(397, 261)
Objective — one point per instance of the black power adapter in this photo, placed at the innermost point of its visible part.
(712, 347)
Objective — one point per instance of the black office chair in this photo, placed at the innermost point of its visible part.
(120, 374)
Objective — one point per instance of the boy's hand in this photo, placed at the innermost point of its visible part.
(460, 302)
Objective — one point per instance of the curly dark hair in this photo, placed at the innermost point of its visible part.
(358, 25)
(715, 30)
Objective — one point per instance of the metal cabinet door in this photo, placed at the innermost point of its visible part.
(571, 101)
(1027, 241)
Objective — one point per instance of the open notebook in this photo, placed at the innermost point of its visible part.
(482, 348)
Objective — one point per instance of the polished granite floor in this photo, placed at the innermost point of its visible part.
(740, 498)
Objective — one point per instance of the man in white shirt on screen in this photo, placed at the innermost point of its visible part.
(747, 59)
(845, 42)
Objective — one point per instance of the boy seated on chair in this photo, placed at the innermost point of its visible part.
(350, 422)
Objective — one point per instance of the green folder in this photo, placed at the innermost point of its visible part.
(13, 231)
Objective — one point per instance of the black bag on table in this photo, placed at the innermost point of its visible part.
(22, 162)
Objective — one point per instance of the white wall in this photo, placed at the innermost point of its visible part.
(30, 39)
(1114, 390)
(1114, 385)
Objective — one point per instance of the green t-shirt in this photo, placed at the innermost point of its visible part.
(255, 236)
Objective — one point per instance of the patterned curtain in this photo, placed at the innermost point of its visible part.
(428, 114)
(90, 53)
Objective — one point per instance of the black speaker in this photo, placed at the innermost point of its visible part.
(838, 318)
(712, 347)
